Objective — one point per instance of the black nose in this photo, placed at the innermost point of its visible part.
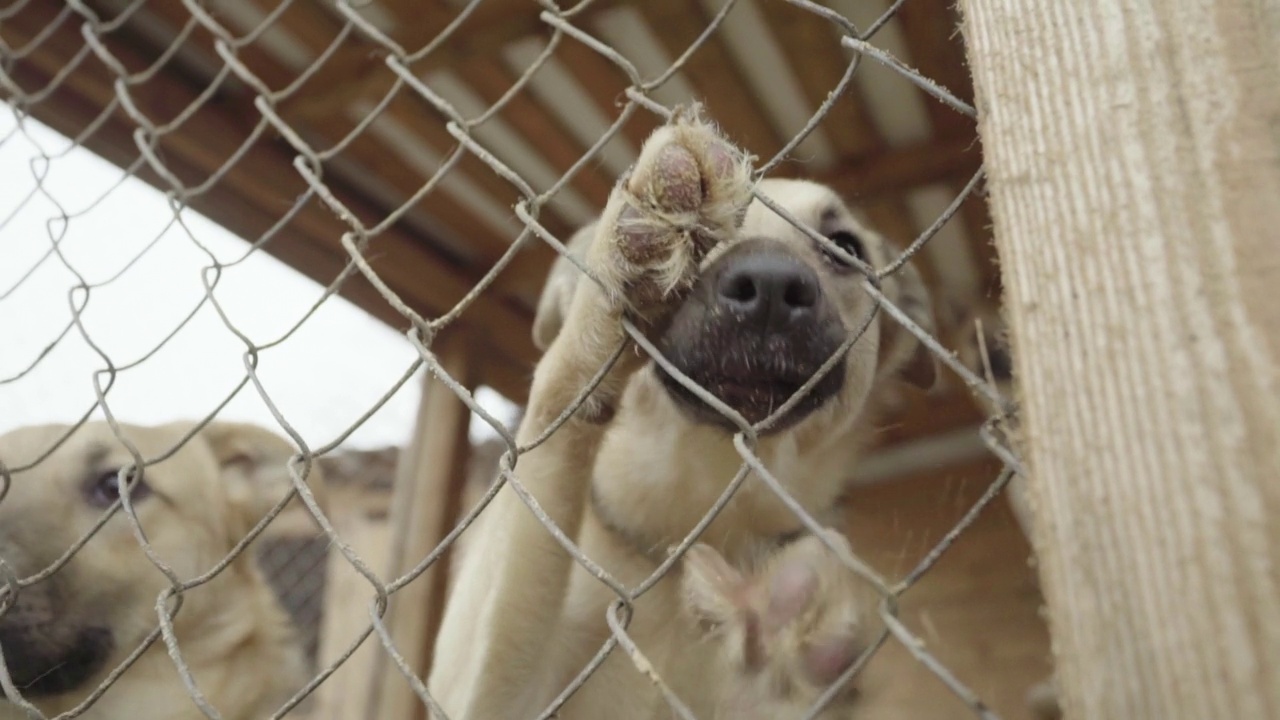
(767, 287)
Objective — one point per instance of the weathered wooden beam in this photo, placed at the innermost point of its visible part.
(931, 30)
(470, 238)
(606, 84)
(812, 47)
(713, 74)
(263, 178)
(893, 171)
(490, 80)
(1133, 175)
(425, 505)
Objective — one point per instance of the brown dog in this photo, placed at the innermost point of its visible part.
(752, 622)
(65, 633)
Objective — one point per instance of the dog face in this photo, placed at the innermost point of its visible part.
(768, 311)
(63, 632)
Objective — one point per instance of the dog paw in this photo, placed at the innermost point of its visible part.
(686, 193)
(788, 630)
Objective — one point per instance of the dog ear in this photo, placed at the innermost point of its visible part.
(557, 294)
(254, 468)
(900, 351)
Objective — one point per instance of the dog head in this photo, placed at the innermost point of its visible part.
(772, 308)
(193, 505)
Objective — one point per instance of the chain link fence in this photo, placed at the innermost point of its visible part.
(429, 164)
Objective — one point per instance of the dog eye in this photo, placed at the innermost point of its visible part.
(105, 489)
(849, 243)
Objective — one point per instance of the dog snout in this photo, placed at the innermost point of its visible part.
(767, 287)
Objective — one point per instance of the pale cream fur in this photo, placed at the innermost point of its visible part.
(232, 632)
(524, 619)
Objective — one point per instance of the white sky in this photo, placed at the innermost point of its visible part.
(322, 379)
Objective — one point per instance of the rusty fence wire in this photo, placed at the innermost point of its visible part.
(138, 80)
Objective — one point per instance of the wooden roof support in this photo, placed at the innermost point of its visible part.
(264, 179)
(931, 29)
(491, 26)
(713, 74)
(480, 245)
(875, 172)
(484, 36)
(812, 47)
(347, 79)
(360, 520)
(372, 176)
(895, 170)
(316, 29)
(69, 115)
(812, 43)
(606, 84)
(490, 80)
(426, 504)
(328, 124)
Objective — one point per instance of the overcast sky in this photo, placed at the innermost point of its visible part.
(145, 270)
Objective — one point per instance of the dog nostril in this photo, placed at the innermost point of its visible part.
(768, 288)
(800, 293)
(740, 288)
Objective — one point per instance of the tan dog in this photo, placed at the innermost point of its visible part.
(752, 622)
(66, 633)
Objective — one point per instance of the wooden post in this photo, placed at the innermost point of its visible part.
(425, 503)
(362, 523)
(1134, 159)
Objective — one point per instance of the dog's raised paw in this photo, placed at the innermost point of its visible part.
(686, 193)
(792, 628)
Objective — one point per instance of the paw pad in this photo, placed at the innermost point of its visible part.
(687, 192)
(673, 183)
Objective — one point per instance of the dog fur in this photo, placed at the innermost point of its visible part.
(66, 633)
(746, 625)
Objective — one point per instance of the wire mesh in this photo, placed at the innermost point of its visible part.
(366, 143)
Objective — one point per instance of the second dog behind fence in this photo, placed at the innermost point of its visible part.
(82, 618)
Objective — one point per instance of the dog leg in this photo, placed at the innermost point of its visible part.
(685, 194)
(785, 632)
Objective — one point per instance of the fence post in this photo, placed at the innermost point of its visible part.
(425, 503)
(1133, 152)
